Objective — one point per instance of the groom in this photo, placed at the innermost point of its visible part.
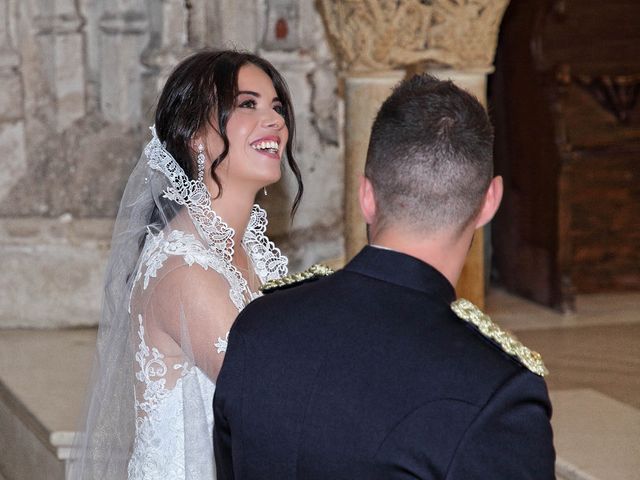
(376, 372)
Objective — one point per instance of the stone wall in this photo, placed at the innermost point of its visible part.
(79, 82)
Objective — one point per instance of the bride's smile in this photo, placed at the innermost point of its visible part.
(257, 134)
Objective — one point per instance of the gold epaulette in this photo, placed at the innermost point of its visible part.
(468, 312)
(314, 271)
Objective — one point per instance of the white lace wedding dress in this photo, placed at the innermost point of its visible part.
(185, 283)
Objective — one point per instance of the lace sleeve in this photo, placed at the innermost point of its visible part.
(190, 308)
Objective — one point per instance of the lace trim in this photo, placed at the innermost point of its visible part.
(222, 343)
(159, 446)
(268, 261)
(152, 372)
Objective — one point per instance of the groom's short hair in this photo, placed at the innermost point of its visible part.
(430, 156)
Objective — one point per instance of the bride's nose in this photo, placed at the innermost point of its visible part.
(273, 120)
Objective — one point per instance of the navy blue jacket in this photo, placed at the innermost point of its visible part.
(368, 374)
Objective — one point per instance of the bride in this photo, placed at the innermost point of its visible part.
(189, 251)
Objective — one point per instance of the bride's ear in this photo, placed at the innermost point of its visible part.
(196, 144)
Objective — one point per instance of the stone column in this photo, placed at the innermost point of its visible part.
(123, 27)
(60, 25)
(171, 23)
(363, 93)
(371, 37)
(12, 164)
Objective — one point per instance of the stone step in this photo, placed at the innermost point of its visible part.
(42, 390)
(43, 374)
(596, 437)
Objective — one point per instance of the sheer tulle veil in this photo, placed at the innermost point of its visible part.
(161, 203)
(103, 447)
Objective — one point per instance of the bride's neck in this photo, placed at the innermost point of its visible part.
(234, 207)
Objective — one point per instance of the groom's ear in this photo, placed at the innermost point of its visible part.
(367, 200)
(490, 202)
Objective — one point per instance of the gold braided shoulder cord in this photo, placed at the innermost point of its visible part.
(468, 312)
(317, 270)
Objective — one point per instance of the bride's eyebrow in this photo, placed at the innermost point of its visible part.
(256, 94)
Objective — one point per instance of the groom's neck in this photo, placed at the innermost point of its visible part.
(444, 251)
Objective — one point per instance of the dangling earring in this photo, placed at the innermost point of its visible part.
(200, 162)
(264, 190)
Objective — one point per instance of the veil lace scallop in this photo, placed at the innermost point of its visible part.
(268, 261)
(149, 411)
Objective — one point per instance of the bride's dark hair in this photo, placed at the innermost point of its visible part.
(206, 84)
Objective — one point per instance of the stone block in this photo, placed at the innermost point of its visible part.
(52, 271)
(81, 172)
(124, 34)
(10, 96)
(69, 79)
(12, 166)
(233, 24)
(120, 79)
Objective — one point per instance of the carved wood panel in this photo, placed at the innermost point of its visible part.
(565, 103)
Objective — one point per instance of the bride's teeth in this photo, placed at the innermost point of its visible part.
(266, 145)
(271, 145)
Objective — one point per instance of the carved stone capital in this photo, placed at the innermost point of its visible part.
(370, 35)
(467, 30)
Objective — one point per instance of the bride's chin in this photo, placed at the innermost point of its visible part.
(271, 179)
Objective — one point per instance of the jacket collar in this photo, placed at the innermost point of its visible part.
(403, 270)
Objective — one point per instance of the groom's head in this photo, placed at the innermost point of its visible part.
(429, 163)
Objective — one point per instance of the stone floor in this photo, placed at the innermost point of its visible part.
(43, 374)
(595, 437)
(598, 347)
(593, 357)
(47, 371)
